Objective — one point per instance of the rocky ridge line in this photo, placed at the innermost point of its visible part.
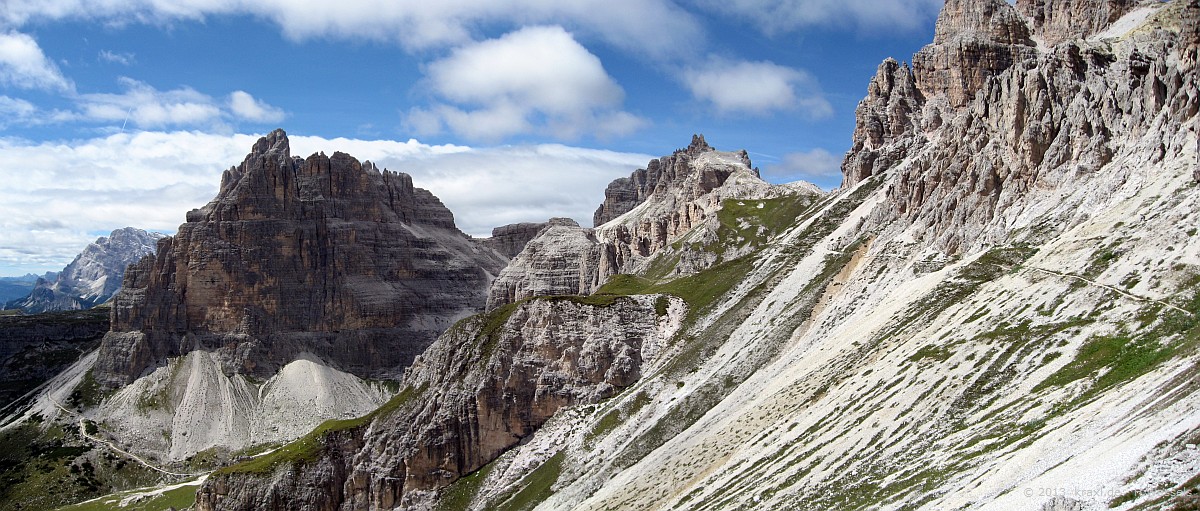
(641, 216)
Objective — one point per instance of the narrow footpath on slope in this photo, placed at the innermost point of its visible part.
(83, 431)
(1110, 288)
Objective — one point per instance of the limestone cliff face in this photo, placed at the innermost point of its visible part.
(1034, 119)
(641, 216)
(1059, 21)
(974, 40)
(324, 255)
(511, 239)
(480, 389)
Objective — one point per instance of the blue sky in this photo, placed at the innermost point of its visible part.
(125, 112)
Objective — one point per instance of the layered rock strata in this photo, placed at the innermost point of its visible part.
(481, 388)
(324, 255)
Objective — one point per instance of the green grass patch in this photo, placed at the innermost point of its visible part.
(752, 223)
(1116, 358)
(700, 291)
(939, 353)
(459, 495)
(535, 487)
(617, 415)
(307, 448)
(179, 498)
(88, 394)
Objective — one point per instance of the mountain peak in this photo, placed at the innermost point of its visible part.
(698, 145)
(275, 142)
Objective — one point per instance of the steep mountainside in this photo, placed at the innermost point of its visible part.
(326, 256)
(998, 310)
(35, 348)
(293, 297)
(93, 277)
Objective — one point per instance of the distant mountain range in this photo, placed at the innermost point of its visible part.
(91, 279)
(12, 288)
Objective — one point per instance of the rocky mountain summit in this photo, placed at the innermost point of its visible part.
(325, 255)
(642, 216)
(93, 277)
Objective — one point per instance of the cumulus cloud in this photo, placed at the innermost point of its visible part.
(151, 179)
(774, 16)
(756, 88)
(244, 106)
(143, 106)
(537, 79)
(24, 65)
(817, 166)
(656, 28)
(147, 107)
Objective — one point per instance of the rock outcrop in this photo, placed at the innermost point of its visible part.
(324, 255)
(485, 385)
(94, 275)
(674, 174)
(1060, 21)
(640, 217)
(1037, 120)
(884, 122)
(974, 40)
(510, 239)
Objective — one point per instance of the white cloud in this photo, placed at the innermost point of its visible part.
(124, 59)
(493, 186)
(774, 16)
(756, 88)
(537, 79)
(817, 165)
(23, 65)
(147, 107)
(151, 179)
(143, 106)
(656, 28)
(243, 105)
(15, 109)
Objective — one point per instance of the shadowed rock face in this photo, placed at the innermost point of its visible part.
(474, 394)
(325, 255)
